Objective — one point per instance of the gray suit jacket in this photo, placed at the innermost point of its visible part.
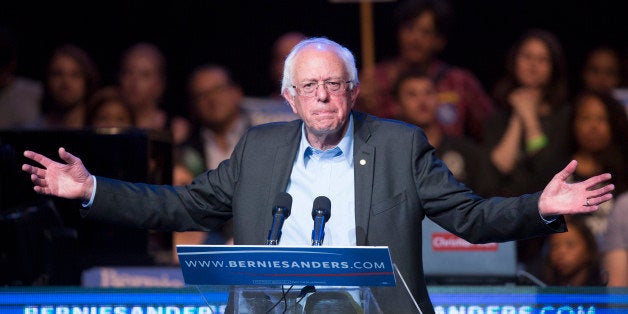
(400, 183)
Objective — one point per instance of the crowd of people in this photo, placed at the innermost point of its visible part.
(506, 140)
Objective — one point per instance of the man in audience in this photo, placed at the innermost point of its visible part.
(220, 122)
(71, 80)
(417, 99)
(422, 28)
(273, 107)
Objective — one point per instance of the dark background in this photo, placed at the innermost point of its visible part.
(239, 34)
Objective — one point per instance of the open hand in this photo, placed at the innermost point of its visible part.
(562, 198)
(70, 180)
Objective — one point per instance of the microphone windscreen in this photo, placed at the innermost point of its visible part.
(322, 203)
(283, 200)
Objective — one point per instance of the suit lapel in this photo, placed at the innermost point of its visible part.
(363, 163)
(282, 166)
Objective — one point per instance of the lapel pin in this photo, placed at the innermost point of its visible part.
(362, 162)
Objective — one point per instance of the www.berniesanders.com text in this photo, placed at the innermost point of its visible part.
(284, 264)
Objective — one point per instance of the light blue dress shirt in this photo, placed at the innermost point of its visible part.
(322, 173)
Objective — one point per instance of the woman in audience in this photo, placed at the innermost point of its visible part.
(602, 70)
(108, 110)
(526, 139)
(600, 144)
(573, 258)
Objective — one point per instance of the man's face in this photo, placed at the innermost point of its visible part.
(215, 99)
(419, 41)
(323, 113)
(141, 82)
(280, 51)
(418, 101)
(66, 81)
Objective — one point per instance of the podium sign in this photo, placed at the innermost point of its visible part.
(286, 265)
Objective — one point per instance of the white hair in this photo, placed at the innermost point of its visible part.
(345, 54)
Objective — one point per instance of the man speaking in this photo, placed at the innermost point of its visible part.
(381, 177)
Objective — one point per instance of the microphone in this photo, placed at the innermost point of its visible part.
(321, 212)
(281, 211)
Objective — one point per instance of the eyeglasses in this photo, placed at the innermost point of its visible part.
(333, 87)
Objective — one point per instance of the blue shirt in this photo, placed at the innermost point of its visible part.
(322, 173)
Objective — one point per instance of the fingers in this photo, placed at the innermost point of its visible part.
(593, 181)
(40, 185)
(34, 170)
(38, 181)
(41, 159)
(41, 190)
(607, 189)
(599, 196)
(67, 157)
(597, 200)
(564, 174)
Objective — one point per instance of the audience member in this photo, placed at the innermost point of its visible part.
(107, 110)
(527, 137)
(600, 145)
(422, 28)
(142, 80)
(20, 97)
(274, 108)
(615, 243)
(573, 258)
(602, 70)
(418, 104)
(215, 100)
(281, 48)
(219, 121)
(71, 79)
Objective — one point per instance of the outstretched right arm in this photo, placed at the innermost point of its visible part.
(198, 206)
(70, 180)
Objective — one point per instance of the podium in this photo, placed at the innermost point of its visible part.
(274, 279)
(256, 299)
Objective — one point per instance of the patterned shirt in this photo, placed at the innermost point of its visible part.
(463, 103)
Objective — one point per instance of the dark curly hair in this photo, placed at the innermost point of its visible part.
(614, 159)
(407, 11)
(556, 91)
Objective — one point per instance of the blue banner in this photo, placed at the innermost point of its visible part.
(278, 265)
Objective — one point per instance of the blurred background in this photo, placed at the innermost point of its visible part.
(239, 34)
(161, 138)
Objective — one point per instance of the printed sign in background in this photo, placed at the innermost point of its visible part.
(118, 277)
